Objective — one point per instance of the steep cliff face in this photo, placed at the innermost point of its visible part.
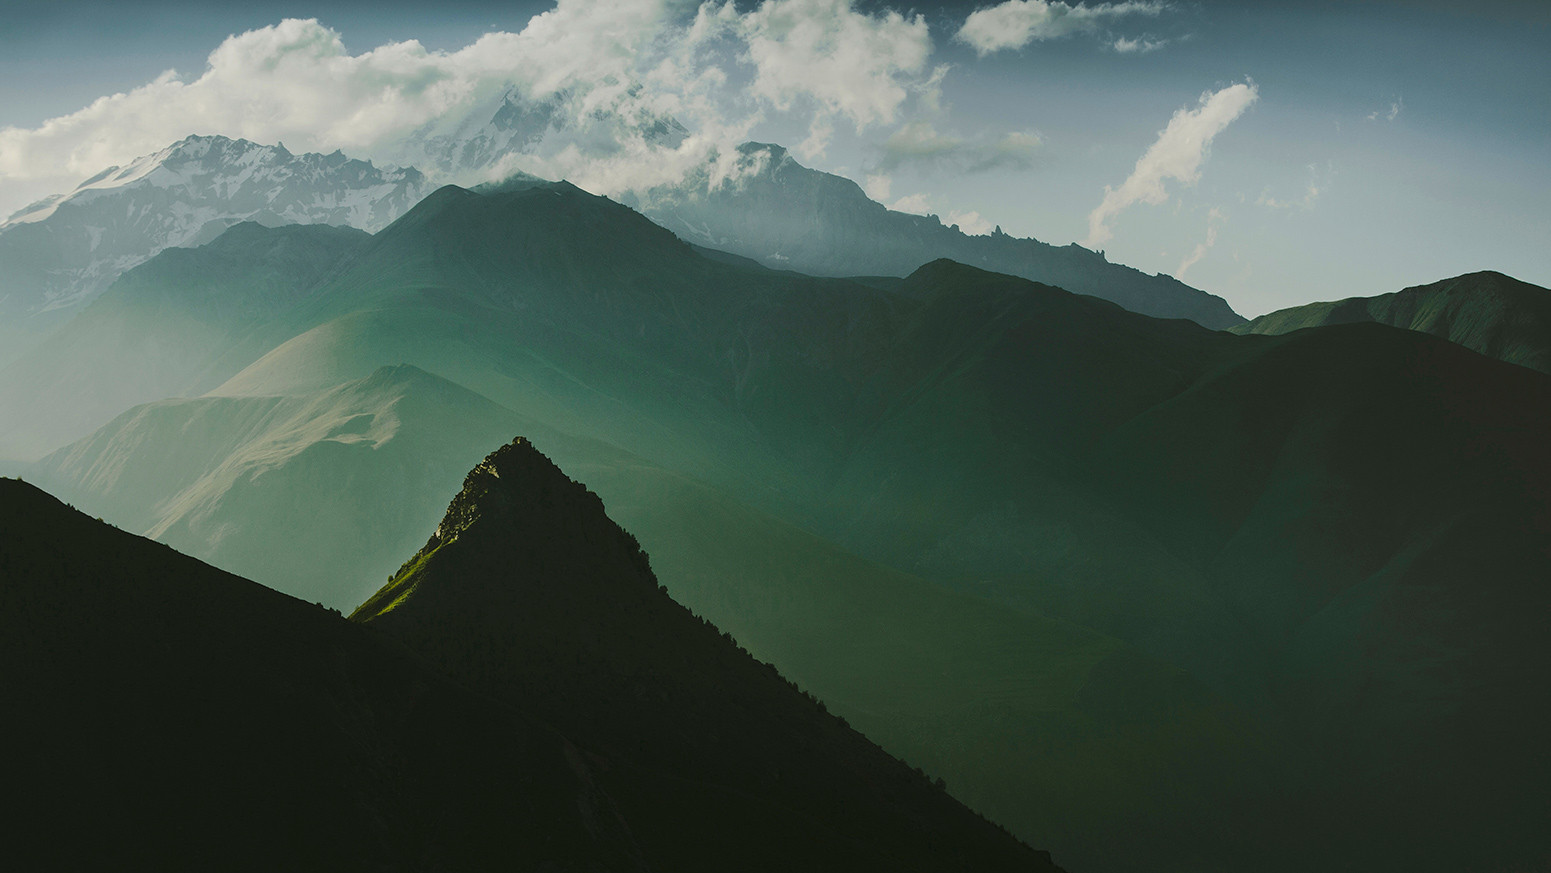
(529, 593)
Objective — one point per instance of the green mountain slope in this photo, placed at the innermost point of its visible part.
(268, 486)
(166, 715)
(305, 491)
(529, 593)
(1487, 312)
(1375, 507)
(779, 440)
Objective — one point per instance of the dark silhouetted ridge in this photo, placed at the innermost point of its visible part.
(529, 593)
(181, 718)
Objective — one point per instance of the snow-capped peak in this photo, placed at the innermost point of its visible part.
(185, 194)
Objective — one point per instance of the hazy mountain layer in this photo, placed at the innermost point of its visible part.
(790, 217)
(230, 478)
(1490, 313)
(527, 592)
(1025, 444)
(271, 485)
(58, 254)
(175, 326)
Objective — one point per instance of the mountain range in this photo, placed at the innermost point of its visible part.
(584, 722)
(1196, 547)
(1490, 313)
(59, 253)
(787, 216)
(1152, 595)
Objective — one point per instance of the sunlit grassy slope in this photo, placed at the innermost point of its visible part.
(1490, 313)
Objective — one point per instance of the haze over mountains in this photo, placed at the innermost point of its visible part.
(58, 254)
(61, 252)
(787, 216)
(1139, 541)
(674, 750)
(1151, 595)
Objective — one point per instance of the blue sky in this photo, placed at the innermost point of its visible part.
(1317, 150)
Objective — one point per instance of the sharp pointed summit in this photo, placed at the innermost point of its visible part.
(528, 592)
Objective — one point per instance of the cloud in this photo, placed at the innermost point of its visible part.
(1390, 114)
(1311, 193)
(1016, 23)
(717, 70)
(849, 63)
(1180, 150)
(1212, 219)
(970, 223)
(920, 142)
(915, 203)
(877, 186)
(1142, 46)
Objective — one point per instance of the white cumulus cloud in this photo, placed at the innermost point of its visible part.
(1389, 114)
(970, 223)
(848, 62)
(920, 142)
(1311, 192)
(1180, 150)
(713, 68)
(1016, 23)
(1127, 46)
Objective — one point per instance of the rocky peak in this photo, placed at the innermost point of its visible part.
(518, 514)
(61, 252)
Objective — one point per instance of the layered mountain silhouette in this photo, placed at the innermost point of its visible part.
(178, 325)
(58, 254)
(256, 730)
(227, 478)
(1487, 312)
(268, 485)
(1257, 599)
(787, 216)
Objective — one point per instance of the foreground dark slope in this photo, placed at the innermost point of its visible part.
(314, 493)
(790, 217)
(527, 592)
(1490, 313)
(166, 715)
(182, 718)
